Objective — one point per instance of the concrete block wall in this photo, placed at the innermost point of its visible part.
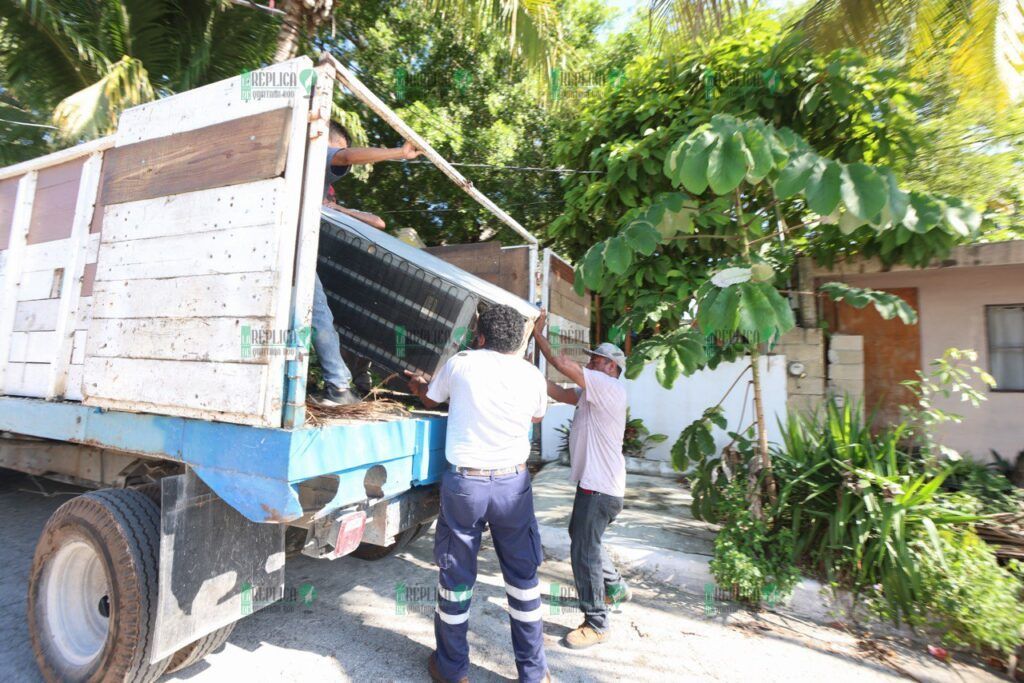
(846, 366)
(805, 346)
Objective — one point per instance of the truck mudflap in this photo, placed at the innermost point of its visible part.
(216, 566)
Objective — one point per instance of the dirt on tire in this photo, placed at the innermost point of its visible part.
(123, 528)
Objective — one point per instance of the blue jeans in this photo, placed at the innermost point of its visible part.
(592, 568)
(505, 504)
(326, 341)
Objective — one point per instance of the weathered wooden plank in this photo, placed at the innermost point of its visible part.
(55, 254)
(55, 158)
(8, 194)
(191, 389)
(54, 209)
(194, 339)
(26, 379)
(300, 301)
(201, 296)
(88, 278)
(32, 316)
(244, 250)
(73, 386)
(78, 344)
(294, 194)
(33, 347)
(40, 284)
(229, 153)
(84, 315)
(15, 265)
(221, 208)
(205, 106)
(515, 271)
(480, 259)
(71, 288)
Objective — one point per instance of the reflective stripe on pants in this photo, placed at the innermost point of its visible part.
(505, 504)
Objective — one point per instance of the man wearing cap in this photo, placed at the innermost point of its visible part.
(599, 472)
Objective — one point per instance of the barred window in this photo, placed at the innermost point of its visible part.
(1006, 346)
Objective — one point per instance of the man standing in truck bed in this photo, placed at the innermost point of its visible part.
(599, 471)
(493, 395)
(340, 159)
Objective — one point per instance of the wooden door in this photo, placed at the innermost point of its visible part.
(892, 353)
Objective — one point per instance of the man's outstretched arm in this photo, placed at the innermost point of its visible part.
(565, 365)
(371, 219)
(370, 155)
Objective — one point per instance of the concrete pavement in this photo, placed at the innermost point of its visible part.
(371, 621)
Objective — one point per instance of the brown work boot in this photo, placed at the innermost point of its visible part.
(435, 674)
(583, 637)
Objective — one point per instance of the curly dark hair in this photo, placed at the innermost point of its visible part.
(338, 130)
(502, 327)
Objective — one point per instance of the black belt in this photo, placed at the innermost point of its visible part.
(473, 472)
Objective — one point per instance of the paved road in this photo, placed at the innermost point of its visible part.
(356, 628)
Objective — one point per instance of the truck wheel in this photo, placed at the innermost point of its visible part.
(92, 592)
(370, 552)
(193, 652)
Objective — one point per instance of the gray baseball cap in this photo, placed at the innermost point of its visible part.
(609, 350)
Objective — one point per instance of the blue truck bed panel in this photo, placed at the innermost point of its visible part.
(255, 470)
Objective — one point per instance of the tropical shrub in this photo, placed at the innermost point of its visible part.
(857, 502)
(753, 557)
(972, 600)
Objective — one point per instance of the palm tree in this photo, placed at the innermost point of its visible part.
(68, 68)
(974, 44)
(76, 65)
(532, 26)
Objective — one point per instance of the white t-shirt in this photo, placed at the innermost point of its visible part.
(492, 400)
(595, 439)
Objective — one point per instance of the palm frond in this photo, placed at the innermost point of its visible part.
(533, 27)
(93, 111)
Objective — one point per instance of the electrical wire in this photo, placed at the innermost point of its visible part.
(26, 123)
(466, 208)
(536, 169)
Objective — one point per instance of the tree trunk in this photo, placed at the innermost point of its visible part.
(299, 16)
(765, 461)
(288, 35)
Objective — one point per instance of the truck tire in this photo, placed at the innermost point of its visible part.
(371, 552)
(92, 593)
(193, 652)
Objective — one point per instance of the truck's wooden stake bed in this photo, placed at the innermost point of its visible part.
(136, 274)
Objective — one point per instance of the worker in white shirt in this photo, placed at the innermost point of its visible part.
(493, 396)
(598, 469)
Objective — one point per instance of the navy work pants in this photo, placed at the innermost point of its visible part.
(505, 504)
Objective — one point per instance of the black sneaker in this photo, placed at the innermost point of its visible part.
(333, 396)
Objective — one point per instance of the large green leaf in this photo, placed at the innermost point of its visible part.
(756, 315)
(887, 304)
(864, 192)
(693, 173)
(617, 255)
(721, 316)
(793, 177)
(642, 237)
(924, 213)
(593, 267)
(727, 164)
(759, 155)
(823, 187)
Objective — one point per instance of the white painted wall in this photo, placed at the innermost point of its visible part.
(670, 411)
